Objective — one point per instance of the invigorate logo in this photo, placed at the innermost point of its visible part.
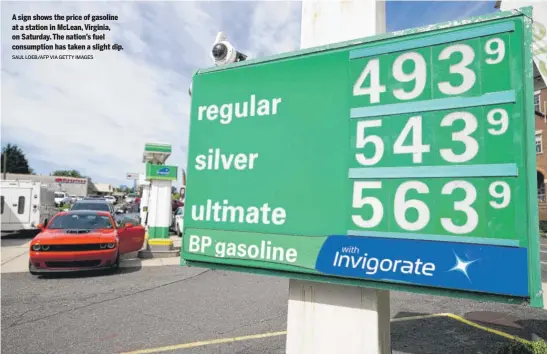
(371, 265)
(452, 265)
(163, 171)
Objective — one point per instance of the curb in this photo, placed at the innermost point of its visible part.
(147, 254)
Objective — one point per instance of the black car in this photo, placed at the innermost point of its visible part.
(93, 204)
(128, 213)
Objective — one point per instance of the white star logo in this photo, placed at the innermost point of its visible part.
(461, 266)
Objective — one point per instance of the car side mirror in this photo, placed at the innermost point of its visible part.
(40, 226)
(128, 225)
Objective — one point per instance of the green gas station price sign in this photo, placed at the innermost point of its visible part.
(404, 161)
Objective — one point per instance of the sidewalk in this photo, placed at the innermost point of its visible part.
(14, 255)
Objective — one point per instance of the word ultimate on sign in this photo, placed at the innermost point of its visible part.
(250, 108)
(228, 213)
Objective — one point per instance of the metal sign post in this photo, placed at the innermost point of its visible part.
(133, 176)
(321, 316)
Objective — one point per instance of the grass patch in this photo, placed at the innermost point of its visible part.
(535, 347)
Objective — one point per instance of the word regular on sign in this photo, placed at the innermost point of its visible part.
(433, 72)
(473, 135)
(433, 205)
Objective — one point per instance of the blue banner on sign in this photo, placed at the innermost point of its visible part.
(460, 266)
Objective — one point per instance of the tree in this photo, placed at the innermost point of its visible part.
(16, 161)
(67, 173)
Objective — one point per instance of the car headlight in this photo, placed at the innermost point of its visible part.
(45, 247)
(36, 247)
(111, 245)
(103, 245)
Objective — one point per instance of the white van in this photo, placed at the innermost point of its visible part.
(61, 198)
(25, 204)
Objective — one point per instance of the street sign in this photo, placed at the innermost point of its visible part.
(404, 161)
(131, 175)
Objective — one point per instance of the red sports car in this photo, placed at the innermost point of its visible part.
(82, 240)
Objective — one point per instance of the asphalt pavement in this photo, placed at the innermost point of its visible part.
(193, 310)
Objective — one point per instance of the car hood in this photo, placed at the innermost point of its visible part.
(57, 237)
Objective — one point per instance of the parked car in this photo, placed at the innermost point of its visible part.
(178, 221)
(94, 197)
(61, 198)
(128, 213)
(82, 240)
(93, 204)
(73, 199)
(110, 198)
(175, 203)
(130, 198)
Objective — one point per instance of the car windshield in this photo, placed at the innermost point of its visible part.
(91, 206)
(59, 195)
(82, 221)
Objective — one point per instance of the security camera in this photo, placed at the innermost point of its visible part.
(224, 52)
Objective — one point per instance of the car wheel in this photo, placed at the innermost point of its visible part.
(30, 269)
(116, 264)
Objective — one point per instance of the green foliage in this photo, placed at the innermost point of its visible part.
(67, 173)
(65, 206)
(515, 347)
(539, 347)
(16, 161)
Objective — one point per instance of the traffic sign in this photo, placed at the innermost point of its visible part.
(404, 161)
(131, 175)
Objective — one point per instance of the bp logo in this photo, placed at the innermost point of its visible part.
(163, 171)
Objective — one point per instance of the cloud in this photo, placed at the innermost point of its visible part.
(409, 14)
(275, 28)
(96, 115)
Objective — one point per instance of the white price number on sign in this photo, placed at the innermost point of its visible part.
(499, 191)
(494, 54)
(497, 118)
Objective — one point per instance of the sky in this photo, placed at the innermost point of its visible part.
(96, 115)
